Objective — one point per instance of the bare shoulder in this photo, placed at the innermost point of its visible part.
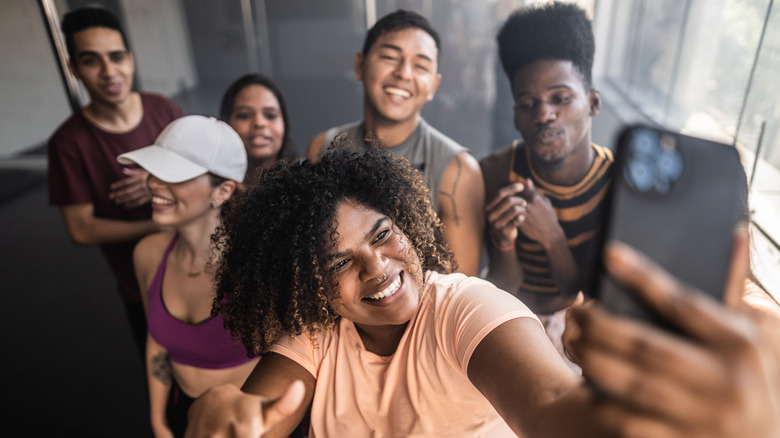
(496, 161)
(315, 146)
(495, 169)
(148, 253)
(462, 179)
(463, 163)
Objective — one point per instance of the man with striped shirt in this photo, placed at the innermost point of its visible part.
(546, 192)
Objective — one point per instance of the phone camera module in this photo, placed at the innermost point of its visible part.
(654, 163)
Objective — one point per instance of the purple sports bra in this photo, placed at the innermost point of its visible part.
(206, 344)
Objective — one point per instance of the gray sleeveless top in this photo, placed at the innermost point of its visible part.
(427, 149)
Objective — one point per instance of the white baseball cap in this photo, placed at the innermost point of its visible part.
(190, 147)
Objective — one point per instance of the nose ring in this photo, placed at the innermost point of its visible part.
(384, 277)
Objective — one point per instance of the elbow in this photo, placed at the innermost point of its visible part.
(80, 238)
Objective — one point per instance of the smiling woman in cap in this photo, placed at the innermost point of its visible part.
(195, 166)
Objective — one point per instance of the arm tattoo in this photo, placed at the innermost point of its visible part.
(451, 196)
(161, 368)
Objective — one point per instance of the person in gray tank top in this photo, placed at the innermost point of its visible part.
(398, 66)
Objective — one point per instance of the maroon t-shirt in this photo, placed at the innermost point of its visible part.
(82, 167)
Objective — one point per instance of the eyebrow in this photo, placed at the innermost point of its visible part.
(249, 107)
(94, 53)
(554, 87)
(398, 49)
(378, 224)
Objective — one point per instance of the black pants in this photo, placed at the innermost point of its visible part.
(136, 317)
(176, 410)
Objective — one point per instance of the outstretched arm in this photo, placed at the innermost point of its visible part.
(524, 378)
(719, 380)
(271, 403)
(461, 201)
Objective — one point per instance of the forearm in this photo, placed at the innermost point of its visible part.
(95, 230)
(573, 413)
(524, 378)
(159, 380)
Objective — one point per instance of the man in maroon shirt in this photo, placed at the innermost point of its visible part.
(101, 202)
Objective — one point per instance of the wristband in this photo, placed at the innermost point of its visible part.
(499, 247)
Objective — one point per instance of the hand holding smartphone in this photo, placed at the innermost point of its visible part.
(677, 199)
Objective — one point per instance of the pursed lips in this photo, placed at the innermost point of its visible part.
(546, 134)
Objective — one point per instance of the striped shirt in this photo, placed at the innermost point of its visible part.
(579, 209)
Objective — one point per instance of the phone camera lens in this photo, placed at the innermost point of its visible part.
(645, 142)
(640, 175)
(670, 164)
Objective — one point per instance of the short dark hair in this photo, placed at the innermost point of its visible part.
(275, 239)
(229, 99)
(399, 20)
(85, 18)
(549, 31)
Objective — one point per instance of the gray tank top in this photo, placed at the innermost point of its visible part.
(427, 149)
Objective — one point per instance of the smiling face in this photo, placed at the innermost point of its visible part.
(553, 111)
(103, 64)
(379, 274)
(257, 118)
(176, 204)
(399, 74)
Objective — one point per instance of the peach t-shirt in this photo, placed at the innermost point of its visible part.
(421, 390)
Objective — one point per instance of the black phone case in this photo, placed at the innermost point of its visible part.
(677, 202)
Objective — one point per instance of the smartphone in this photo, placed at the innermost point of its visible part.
(677, 199)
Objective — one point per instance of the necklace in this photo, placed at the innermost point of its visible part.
(194, 274)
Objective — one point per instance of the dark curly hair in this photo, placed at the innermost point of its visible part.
(399, 20)
(272, 275)
(548, 31)
(86, 18)
(229, 99)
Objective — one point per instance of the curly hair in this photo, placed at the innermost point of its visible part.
(548, 31)
(272, 276)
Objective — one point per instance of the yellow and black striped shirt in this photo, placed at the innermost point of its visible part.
(580, 210)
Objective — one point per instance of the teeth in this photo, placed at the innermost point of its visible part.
(398, 92)
(161, 201)
(388, 291)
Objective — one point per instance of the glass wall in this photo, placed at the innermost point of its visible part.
(710, 68)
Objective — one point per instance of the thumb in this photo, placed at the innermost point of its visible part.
(529, 190)
(277, 410)
(530, 184)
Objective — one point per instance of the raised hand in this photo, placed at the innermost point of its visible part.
(540, 222)
(131, 191)
(227, 412)
(505, 213)
(719, 379)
